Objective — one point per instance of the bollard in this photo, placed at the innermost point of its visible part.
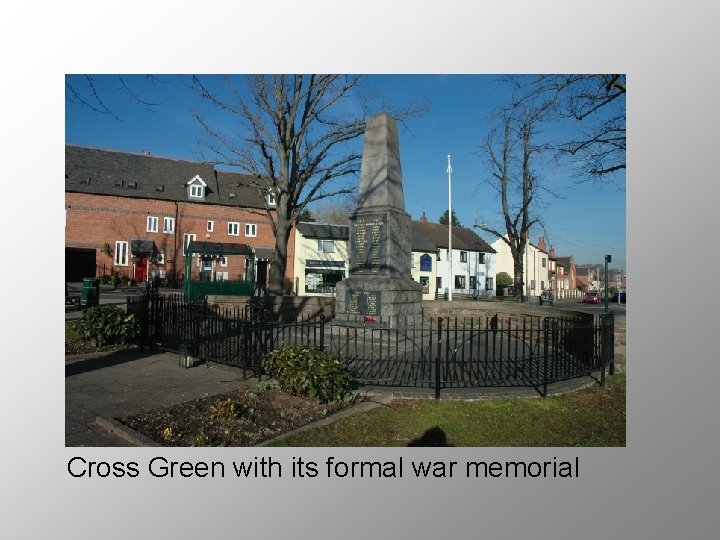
(185, 360)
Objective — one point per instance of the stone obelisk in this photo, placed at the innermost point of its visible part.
(379, 282)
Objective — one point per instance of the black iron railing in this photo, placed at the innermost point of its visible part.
(438, 353)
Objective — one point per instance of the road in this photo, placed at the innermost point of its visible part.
(595, 309)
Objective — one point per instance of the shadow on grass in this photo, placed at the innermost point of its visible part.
(432, 437)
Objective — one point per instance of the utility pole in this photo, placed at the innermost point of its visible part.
(450, 255)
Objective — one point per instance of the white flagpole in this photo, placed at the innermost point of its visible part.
(450, 253)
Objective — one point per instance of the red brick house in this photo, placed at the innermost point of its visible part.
(134, 214)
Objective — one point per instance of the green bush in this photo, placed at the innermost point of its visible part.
(108, 324)
(309, 371)
(503, 279)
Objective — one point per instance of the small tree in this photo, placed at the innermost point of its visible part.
(444, 219)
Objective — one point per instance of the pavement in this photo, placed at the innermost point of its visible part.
(114, 385)
(101, 388)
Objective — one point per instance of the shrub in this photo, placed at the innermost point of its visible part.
(108, 324)
(309, 371)
(503, 279)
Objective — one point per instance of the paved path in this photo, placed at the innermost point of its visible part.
(115, 385)
(120, 384)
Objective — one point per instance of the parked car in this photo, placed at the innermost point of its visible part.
(592, 297)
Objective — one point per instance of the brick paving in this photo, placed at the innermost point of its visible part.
(115, 385)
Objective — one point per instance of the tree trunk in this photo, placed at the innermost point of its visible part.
(519, 282)
(279, 263)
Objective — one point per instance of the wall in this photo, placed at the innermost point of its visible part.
(307, 249)
(93, 220)
(416, 273)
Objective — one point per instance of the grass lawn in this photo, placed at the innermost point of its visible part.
(590, 417)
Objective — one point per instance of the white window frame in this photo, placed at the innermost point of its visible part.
(197, 191)
(187, 238)
(233, 228)
(168, 225)
(122, 249)
(223, 261)
(270, 199)
(250, 229)
(160, 258)
(152, 224)
(210, 225)
(463, 256)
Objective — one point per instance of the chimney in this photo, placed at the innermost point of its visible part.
(424, 217)
(541, 243)
(551, 253)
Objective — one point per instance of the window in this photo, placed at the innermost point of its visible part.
(459, 282)
(326, 246)
(160, 258)
(233, 228)
(481, 258)
(223, 262)
(121, 253)
(532, 284)
(270, 199)
(197, 191)
(210, 226)
(473, 282)
(463, 256)
(187, 238)
(250, 229)
(152, 224)
(544, 262)
(169, 225)
(489, 283)
(542, 285)
(322, 281)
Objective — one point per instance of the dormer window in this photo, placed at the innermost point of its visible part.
(196, 188)
(270, 199)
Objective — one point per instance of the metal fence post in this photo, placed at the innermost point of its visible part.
(322, 331)
(437, 359)
(546, 347)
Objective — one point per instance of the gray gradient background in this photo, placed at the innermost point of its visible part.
(664, 484)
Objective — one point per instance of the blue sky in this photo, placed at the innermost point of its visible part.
(585, 220)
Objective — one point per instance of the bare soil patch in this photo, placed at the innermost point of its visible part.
(237, 418)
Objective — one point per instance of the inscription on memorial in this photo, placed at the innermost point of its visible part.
(363, 303)
(369, 240)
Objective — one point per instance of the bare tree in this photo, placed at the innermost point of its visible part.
(88, 91)
(596, 104)
(293, 141)
(517, 192)
(337, 212)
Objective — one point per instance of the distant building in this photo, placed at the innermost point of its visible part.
(133, 215)
(473, 260)
(321, 258)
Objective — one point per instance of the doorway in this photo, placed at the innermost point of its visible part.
(262, 270)
(141, 269)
